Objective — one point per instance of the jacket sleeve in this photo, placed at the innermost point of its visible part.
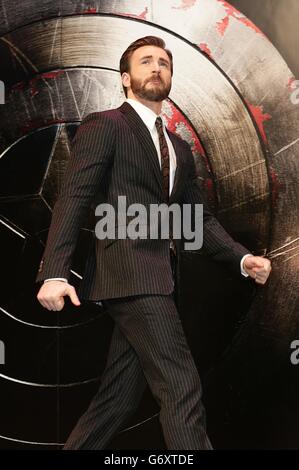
(92, 153)
(217, 243)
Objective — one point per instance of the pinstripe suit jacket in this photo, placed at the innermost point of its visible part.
(113, 154)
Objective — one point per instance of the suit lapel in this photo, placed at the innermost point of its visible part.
(144, 137)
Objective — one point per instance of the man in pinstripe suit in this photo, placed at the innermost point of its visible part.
(122, 152)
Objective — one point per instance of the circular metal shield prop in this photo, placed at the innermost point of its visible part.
(232, 101)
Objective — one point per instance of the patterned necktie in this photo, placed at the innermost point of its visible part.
(165, 170)
(164, 157)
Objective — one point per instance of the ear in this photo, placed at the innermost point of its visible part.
(126, 80)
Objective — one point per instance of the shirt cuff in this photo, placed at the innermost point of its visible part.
(56, 279)
(243, 272)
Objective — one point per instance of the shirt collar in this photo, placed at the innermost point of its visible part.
(146, 114)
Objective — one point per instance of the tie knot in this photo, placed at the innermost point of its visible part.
(159, 124)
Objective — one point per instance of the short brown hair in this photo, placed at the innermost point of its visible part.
(124, 64)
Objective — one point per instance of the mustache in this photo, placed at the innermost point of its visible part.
(155, 78)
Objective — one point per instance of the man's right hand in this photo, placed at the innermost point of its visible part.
(51, 295)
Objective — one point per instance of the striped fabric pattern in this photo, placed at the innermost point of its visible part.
(148, 346)
(113, 155)
(164, 157)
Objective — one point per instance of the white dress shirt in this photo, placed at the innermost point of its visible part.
(149, 118)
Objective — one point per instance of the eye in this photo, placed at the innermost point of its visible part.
(145, 61)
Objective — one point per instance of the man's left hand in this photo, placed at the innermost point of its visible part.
(258, 268)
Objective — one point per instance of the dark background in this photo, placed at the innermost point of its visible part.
(278, 19)
(250, 387)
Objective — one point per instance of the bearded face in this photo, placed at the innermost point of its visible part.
(153, 88)
(149, 76)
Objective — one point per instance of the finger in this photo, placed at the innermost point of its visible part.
(262, 278)
(267, 265)
(58, 304)
(73, 296)
(55, 304)
(260, 270)
(52, 306)
(47, 305)
(43, 302)
(259, 279)
(258, 265)
(255, 268)
(263, 272)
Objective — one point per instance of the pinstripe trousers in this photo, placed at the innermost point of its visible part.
(148, 346)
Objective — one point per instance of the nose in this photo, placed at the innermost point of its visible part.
(156, 66)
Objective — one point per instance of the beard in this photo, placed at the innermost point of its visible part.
(158, 91)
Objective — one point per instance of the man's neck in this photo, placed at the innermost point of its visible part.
(155, 106)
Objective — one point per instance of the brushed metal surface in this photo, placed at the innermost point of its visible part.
(231, 99)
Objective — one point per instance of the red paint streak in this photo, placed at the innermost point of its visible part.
(204, 47)
(199, 148)
(178, 118)
(209, 184)
(31, 126)
(141, 16)
(185, 5)
(260, 117)
(291, 84)
(210, 189)
(178, 124)
(222, 25)
(232, 12)
(33, 90)
(51, 74)
(175, 119)
(33, 86)
(90, 10)
(47, 75)
(276, 186)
